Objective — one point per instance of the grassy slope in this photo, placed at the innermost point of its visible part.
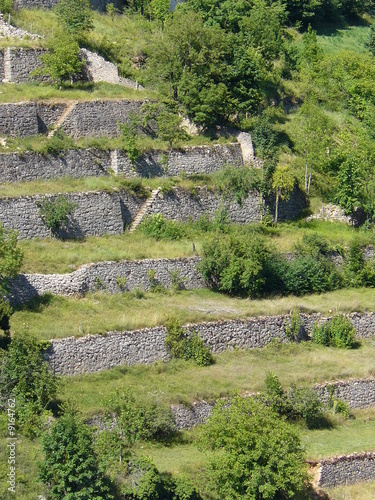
(97, 313)
(242, 370)
(54, 256)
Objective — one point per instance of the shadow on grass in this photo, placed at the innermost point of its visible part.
(36, 304)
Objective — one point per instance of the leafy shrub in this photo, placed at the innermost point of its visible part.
(293, 329)
(136, 420)
(357, 271)
(159, 228)
(295, 404)
(25, 375)
(70, 467)
(306, 405)
(6, 6)
(55, 211)
(183, 347)
(307, 274)
(235, 264)
(253, 453)
(337, 332)
(237, 182)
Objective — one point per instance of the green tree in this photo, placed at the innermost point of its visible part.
(313, 130)
(169, 127)
(62, 62)
(283, 181)
(26, 376)
(75, 15)
(70, 467)
(160, 9)
(349, 188)
(255, 455)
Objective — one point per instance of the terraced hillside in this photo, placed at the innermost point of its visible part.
(161, 274)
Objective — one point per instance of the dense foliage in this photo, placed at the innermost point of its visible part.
(337, 332)
(255, 454)
(26, 376)
(247, 265)
(70, 468)
(183, 346)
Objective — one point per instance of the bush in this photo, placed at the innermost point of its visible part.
(306, 405)
(25, 375)
(55, 211)
(295, 404)
(237, 182)
(159, 228)
(253, 453)
(183, 347)
(235, 265)
(70, 467)
(337, 332)
(139, 421)
(6, 6)
(307, 274)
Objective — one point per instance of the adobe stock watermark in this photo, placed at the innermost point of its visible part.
(11, 444)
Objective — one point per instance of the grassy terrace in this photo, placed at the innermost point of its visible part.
(85, 92)
(55, 256)
(242, 370)
(99, 312)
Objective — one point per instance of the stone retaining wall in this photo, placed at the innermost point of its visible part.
(99, 118)
(109, 276)
(346, 469)
(96, 213)
(71, 356)
(94, 162)
(88, 118)
(99, 213)
(357, 393)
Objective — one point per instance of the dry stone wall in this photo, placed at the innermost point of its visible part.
(99, 213)
(23, 62)
(357, 393)
(96, 213)
(93, 162)
(73, 163)
(109, 276)
(99, 118)
(87, 118)
(346, 469)
(94, 353)
(195, 160)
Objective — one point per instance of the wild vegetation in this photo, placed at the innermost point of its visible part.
(299, 77)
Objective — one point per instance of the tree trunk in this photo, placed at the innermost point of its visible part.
(276, 207)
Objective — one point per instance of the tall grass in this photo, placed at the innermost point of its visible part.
(97, 313)
(241, 370)
(79, 92)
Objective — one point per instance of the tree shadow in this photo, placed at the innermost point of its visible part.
(36, 304)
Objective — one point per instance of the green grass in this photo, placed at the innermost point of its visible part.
(361, 491)
(351, 38)
(357, 434)
(55, 256)
(242, 370)
(84, 92)
(101, 312)
(97, 313)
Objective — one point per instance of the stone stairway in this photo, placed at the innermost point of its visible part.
(143, 210)
(62, 118)
(7, 66)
